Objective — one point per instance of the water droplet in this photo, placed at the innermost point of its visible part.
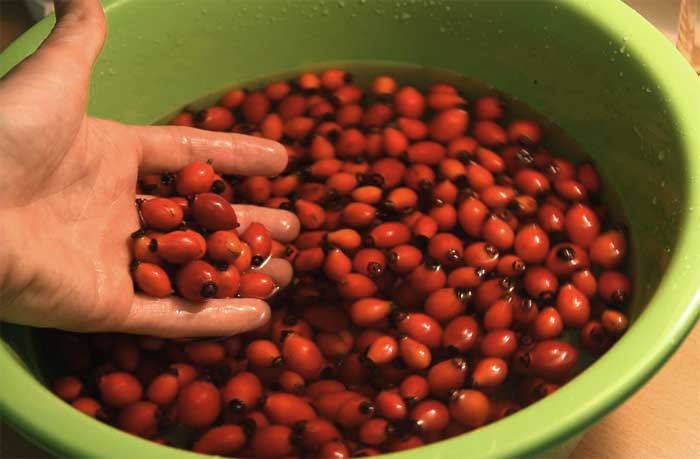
(325, 12)
(378, 11)
(662, 184)
(647, 90)
(405, 16)
(621, 73)
(500, 31)
(448, 8)
(442, 29)
(363, 2)
(203, 11)
(653, 200)
(661, 156)
(341, 3)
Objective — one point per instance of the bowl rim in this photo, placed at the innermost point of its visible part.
(29, 406)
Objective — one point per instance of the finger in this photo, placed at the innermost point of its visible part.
(278, 269)
(282, 224)
(60, 69)
(177, 318)
(169, 148)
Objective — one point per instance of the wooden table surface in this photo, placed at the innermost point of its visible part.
(660, 421)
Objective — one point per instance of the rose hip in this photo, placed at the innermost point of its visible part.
(582, 225)
(197, 281)
(489, 373)
(163, 389)
(89, 406)
(151, 279)
(614, 322)
(198, 404)
(614, 287)
(302, 355)
(223, 440)
(447, 303)
(287, 409)
(573, 306)
(445, 376)
(179, 247)
(214, 118)
(242, 392)
(196, 177)
(139, 418)
(273, 441)
(420, 327)
(469, 407)
(430, 416)
(213, 212)
(552, 359)
(68, 388)
(256, 285)
(260, 241)
(161, 214)
(229, 280)
(119, 389)
(224, 246)
(383, 350)
(334, 449)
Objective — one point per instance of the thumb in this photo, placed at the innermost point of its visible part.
(62, 65)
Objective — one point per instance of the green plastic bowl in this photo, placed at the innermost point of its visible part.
(605, 75)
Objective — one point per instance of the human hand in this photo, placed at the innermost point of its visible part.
(67, 197)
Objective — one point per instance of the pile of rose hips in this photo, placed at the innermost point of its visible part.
(178, 231)
(444, 252)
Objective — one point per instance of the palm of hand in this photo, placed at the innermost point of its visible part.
(80, 210)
